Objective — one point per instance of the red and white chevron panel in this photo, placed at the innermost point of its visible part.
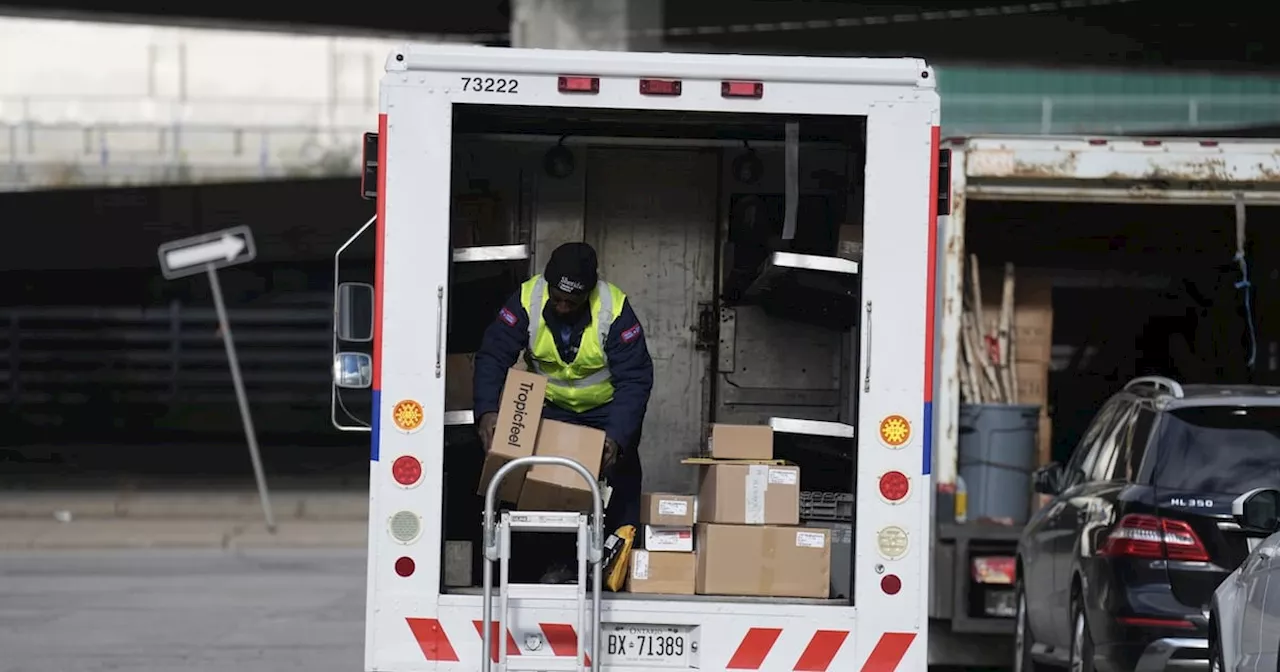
(752, 653)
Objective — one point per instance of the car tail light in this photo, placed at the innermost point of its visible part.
(1144, 536)
(742, 89)
(660, 87)
(998, 570)
(579, 84)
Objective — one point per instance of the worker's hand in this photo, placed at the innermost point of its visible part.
(611, 451)
(487, 423)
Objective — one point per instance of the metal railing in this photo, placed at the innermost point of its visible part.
(62, 362)
(969, 114)
(50, 141)
(54, 141)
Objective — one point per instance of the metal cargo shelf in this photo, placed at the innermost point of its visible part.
(456, 418)
(808, 288)
(836, 430)
(464, 255)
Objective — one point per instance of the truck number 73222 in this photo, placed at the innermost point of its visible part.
(490, 84)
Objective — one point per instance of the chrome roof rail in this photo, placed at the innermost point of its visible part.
(1158, 382)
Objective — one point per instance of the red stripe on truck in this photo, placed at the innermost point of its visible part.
(889, 652)
(753, 648)
(433, 640)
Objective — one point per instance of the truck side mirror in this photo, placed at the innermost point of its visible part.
(353, 315)
(1048, 479)
(353, 370)
(1258, 511)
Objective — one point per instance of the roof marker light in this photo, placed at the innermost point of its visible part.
(579, 84)
(660, 87)
(742, 89)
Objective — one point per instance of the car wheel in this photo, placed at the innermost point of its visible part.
(1081, 640)
(1022, 662)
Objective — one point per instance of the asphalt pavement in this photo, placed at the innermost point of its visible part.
(195, 610)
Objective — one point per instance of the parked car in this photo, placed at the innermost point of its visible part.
(1244, 619)
(1117, 571)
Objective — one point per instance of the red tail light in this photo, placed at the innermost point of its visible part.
(660, 87)
(994, 569)
(1143, 536)
(570, 84)
(742, 89)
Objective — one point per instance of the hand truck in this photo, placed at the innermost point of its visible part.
(497, 548)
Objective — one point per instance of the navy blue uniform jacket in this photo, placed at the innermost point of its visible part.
(629, 364)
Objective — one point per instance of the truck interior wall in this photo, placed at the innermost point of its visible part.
(1137, 289)
(683, 235)
(651, 216)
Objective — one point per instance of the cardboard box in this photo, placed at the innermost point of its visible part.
(785, 561)
(668, 539)
(1032, 381)
(548, 488)
(459, 372)
(749, 494)
(740, 442)
(663, 509)
(1032, 311)
(519, 416)
(665, 573)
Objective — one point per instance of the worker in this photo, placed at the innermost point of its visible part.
(582, 334)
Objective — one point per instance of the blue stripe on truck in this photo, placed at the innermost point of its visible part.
(375, 423)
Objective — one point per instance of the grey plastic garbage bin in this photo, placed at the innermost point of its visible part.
(997, 456)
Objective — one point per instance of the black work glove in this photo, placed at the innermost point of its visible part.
(488, 422)
(611, 453)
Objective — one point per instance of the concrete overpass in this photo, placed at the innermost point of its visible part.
(183, 105)
(1226, 35)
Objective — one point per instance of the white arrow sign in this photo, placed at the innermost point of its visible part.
(219, 249)
(207, 253)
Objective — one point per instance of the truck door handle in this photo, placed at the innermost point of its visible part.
(439, 327)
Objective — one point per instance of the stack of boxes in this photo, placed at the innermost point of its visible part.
(748, 539)
(666, 563)
(739, 536)
(520, 432)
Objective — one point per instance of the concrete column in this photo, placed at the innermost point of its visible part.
(607, 25)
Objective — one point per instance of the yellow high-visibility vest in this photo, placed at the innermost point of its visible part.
(585, 383)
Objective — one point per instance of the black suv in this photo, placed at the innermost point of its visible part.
(1116, 572)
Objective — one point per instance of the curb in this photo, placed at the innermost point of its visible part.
(231, 506)
(19, 535)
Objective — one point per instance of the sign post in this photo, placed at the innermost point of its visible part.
(207, 253)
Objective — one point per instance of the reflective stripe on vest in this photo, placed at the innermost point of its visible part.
(576, 395)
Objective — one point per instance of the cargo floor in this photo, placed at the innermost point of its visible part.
(731, 599)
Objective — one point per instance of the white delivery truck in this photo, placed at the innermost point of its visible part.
(775, 223)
